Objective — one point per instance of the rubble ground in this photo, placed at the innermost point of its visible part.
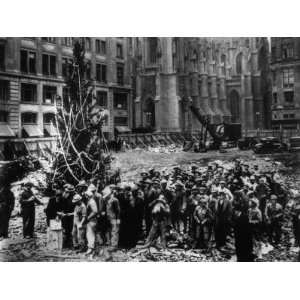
(131, 164)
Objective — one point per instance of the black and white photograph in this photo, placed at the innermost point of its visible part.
(160, 149)
(149, 149)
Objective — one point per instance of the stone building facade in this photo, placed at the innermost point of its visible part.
(223, 79)
(285, 66)
(32, 79)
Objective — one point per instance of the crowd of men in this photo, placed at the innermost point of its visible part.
(210, 206)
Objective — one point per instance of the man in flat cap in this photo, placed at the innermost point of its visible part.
(274, 218)
(28, 201)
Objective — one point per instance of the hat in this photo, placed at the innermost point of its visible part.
(223, 181)
(274, 197)
(92, 188)
(198, 179)
(82, 183)
(156, 181)
(161, 197)
(69, 187)
(194, 188)
(149, 181)
(76, 198)
(28, 184)
(144, 173)
(88, 193)
(252, 177)
(106, 192)
(179, 183)
(163, 181)
(255, 200)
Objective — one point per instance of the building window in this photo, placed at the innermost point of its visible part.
(88, 44)
(287, 50)
(120, 101)
(67, 41)
(4, 90)
(49, 118)
(88, 70)
(239, 63)
(102, 98)
(28, 61)
(288, 77)
(120, 74)
(49, 64)
(28, 93)
(153, 44)
(2, 57)
(49, 39)
(275, 98)
(289, 96)
(3, 116)
(66, 95)
(29, 118)
(101, 47)
(49, 94)
(101, 72)
(289, 116)
(121, 121)
(119, 51)
(66, 66)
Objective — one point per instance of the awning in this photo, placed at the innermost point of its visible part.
(51, 130)
(5, 131)
(122, 129)
(32, 130)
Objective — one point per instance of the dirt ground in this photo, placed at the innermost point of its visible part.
(131, 164)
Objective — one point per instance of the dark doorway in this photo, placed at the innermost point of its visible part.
(234, 104)
(149, 113)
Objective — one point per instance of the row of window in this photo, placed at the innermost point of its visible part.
(29, 95)
(31, 118)
(288, 97)
(287, 50)
(100, 45)
(288, 78)
(28, 65)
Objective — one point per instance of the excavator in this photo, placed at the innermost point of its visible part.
(218, 132)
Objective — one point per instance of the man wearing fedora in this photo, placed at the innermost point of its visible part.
(7, 203)
(67, 214)
(113, 216)
(28, 201)
(178, 207)
(78, 232)
(274, 218)
(160, 211)
(91, 222)
(223, 220)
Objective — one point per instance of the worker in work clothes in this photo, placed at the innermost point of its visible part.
(67, 214)
(7, 203)
(78, 232)
(91, 220)
(274, 218)
(160, 213)
(113, 216)
(28, 201)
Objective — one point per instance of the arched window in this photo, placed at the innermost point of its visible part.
(152, 48)
(239, 63)
(234, 104)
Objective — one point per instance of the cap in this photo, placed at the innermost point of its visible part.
(76, 198)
